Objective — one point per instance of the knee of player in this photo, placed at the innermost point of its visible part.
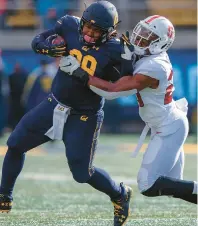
(156, 189)
(15, 144)
(12, 143)
(80, 177)
(80, 172)
(150, 192)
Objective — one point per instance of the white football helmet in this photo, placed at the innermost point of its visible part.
(155, 33)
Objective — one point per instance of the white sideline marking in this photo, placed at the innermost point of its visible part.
(62, 177)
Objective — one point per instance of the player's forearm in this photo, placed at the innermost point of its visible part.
(123, 84)
(71, 66)
(85, 77)
(102, 84)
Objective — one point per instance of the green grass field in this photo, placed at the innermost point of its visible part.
(46, 195)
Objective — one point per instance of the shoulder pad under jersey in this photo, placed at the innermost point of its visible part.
(114, 49)
(67, 22)
(151, 67)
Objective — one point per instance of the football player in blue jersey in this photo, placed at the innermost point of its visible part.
(72, 112)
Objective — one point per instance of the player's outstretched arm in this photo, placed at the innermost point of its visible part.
(137, 82)
(112, 95)
(125, 86)
(71, 66)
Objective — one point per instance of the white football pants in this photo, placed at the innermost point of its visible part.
(164, 155)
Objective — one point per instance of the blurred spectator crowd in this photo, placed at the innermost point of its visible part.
(20, 91)
(33, 14)
(22, 86)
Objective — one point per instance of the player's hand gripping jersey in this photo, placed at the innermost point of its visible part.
(96, 60)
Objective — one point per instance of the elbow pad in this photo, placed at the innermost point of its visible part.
(35, 43)
(39, 39)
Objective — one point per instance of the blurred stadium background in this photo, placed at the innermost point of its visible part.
(20, 20)
(41, 189)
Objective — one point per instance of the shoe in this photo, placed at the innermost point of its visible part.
(5, 203)
(121, 206)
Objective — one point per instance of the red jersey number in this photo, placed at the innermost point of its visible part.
(168, 96)
(169, 91)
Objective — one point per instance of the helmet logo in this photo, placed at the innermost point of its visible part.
(170, 31)
(115, 19)
(92, 21)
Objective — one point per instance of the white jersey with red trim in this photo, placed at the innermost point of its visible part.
(156, 106)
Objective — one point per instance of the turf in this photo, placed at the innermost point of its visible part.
(46, 195)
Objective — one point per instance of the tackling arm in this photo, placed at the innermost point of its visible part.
(125, 86)
(135, 83)
(112, 95)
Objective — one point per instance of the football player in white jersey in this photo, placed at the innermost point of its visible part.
(161, 171)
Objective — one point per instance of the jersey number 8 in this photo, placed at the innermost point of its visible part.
(88, 62)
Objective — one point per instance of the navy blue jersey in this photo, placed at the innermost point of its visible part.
(99, 61)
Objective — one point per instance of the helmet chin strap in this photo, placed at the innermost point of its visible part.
(143, 53)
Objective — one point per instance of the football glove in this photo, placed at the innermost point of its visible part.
(71, 66)
(53, 50)
(127, 47)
